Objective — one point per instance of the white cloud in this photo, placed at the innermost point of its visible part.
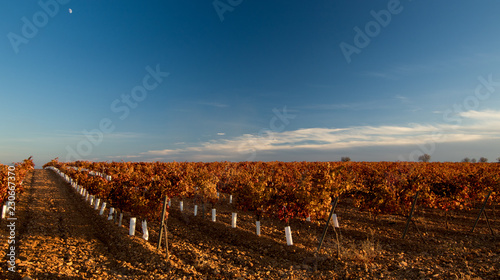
(321, 140)
(487, 115)
(123, 157)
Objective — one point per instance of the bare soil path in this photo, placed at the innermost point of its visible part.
(59, 237)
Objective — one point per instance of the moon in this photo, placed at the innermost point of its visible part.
(70, 11)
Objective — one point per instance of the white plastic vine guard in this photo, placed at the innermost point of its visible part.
(335, 221)
(97, 202)
(132, 226)
(120, 220)
(145, 234)
(233, 220)
(288, 235)
(111, 211)
(102, 208)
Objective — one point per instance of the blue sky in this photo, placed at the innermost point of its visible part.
(249, 80)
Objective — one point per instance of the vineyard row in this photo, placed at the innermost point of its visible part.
(288, 189)
(12, 178)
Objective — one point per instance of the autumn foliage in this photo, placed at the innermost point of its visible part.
(16, 176)
(289, 189)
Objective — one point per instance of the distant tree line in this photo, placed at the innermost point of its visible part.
(482, 159)
(427, 158)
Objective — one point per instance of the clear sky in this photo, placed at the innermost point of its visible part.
(249, 80)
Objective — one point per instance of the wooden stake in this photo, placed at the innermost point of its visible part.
(338, 242)
(163, 227)
(488, 223)
(411, 215)
(334, 205)
(481, 212)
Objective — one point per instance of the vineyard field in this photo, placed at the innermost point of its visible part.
(289, 190)
(374, 202)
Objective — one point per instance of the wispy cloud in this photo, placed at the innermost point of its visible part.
(430, 66)
(408, 102)
(214, 104)
(382, 75)
(401, 98)
(123, 157)
(487, 115)
(368, 105)
(483, 125)
(398, 71)
(478, 59)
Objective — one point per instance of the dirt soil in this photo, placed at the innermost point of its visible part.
(60, 236)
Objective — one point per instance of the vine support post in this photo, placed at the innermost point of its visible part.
(163, 227)
(411, 215)
(334, 205)
(482, 212)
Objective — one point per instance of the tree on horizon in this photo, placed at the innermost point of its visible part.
(345, 159)
(424, 158)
